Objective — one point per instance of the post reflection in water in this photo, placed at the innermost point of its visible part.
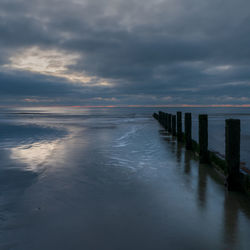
(233, 203)
(173, 146)
(178, 152)
(202, 185)
(231, 210)
(187, 159)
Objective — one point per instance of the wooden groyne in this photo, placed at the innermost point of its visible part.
(237, 178)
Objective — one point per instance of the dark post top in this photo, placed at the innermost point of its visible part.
(203, 138)
(233, 153)
(188, 130)
(174, 125)
(165, 120)
(179, 126)
(169, 123)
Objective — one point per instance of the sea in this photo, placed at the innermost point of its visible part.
(111, 178)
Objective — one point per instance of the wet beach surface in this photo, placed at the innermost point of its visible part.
(110, 180)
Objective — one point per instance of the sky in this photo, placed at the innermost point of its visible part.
(124, 52)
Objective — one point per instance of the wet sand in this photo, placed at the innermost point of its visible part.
(114, 183)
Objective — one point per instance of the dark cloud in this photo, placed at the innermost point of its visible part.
(154, 52)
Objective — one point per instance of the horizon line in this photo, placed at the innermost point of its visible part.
(141, 106)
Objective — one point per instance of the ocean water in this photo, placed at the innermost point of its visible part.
(111, 178)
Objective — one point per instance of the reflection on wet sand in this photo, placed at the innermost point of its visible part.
(179, 152)
(34, 155)
(187, 160)
(202, 186)
(173, 146)
(233, 204)
(231, 210)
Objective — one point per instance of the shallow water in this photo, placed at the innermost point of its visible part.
(109, 179)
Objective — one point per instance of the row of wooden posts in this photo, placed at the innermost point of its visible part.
(173, 124)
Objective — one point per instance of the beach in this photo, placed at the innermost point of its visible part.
(111, 178)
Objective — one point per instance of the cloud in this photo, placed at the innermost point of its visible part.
(125, 52)
(50, 62)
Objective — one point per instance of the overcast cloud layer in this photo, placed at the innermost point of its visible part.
(117, 52)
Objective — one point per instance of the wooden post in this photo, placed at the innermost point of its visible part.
(233, 153)
(155, 116)
(179, 126)
(169, 123)
(165, 120)
(203, 138)
(160, 117)
(174, 125)
(188, 130)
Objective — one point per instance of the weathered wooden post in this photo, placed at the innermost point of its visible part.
(155, 116)
(188, 130)
(233, 153)
(179, 126)
(165, 120)
(162, 122)
(160, 117)
(174, 125)
(203, 138)
(169, 123)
